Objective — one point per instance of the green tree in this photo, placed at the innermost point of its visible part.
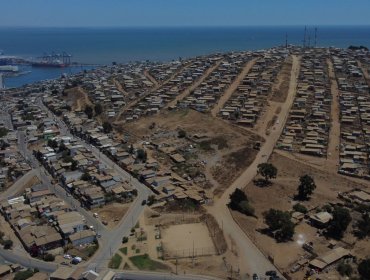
(89, 111)
(267, 170)
(364, 269)
(363, 226)
(246, 208)
(86, 176)
(306, 187)
(98, 109)
(300, 208)
(52, 143)
(339, 223)
(107, 127)
(23, 275)
(62, 147)
(279, 222)
(344, 269)
(236, 198)
(141, 155)
(181, 133)
(49, 258)
(74, 165)
(8, 244)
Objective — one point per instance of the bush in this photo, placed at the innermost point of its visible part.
(8, 244)
(181, 133)
(23, 275)
(364, 269)
(344, 269)
(246, 208)
(49, 258)
(124, 239)
(300, 208)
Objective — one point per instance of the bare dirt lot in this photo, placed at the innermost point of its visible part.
(219, 150)
(77, 98)
(188, 239)
(112, 213)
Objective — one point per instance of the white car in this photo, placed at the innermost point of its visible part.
(68, 257)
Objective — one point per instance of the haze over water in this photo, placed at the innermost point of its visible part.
(105, 45)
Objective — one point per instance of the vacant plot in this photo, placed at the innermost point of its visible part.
(187, 240)
(209, 142)
(77, 98)
(144, 262)
(112, 213)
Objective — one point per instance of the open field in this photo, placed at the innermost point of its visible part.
(112, 213)
(187, 239)
(78, 98)
(213, 147)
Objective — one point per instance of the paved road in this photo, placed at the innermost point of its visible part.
(111, 240)
(18, 185)
(27, 261)
(250, 258)
(135, 275)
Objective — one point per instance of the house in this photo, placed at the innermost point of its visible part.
(329, 258)
(82, 237)
(63, 273)
(321, 219)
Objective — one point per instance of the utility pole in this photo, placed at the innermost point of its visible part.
(286, 40)
(304, 37)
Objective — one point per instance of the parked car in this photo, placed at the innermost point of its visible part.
(143, 202)
(255, 277)
(271, 273)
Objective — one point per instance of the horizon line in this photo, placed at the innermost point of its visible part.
(190, 26)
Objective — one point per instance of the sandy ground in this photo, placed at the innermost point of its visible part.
(234, 85)
(78, 98)
(112, 213)
(334, 135)
(186, 237)
(219, 165)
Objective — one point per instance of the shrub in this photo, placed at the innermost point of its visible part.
(300, 208)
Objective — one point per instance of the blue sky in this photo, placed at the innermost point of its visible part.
(104, 13)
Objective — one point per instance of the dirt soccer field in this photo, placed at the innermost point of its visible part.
(181, 239)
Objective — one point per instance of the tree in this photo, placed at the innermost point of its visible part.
(364, 269)
(62, 147)
(344, 269)
(141, 155)
(339, 223)
(300, 208)
(363, 226)
(124, 239)
(98, 109)
(49, 258)
(236, 198)
(279, 222)
(8, 244)
(107, 127)
(267, 170)
(89, 111)
(86, 176)
(246, 208)
(306, 187)
(52, 143)
(23, 275)
(151, 199)
(74, 165)
(181, 133)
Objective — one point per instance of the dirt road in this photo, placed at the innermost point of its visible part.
(234, 85)
(250, 258)
(334, 135)
(151, 78)
(187, 91)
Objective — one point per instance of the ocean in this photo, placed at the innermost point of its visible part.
(105, 45)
